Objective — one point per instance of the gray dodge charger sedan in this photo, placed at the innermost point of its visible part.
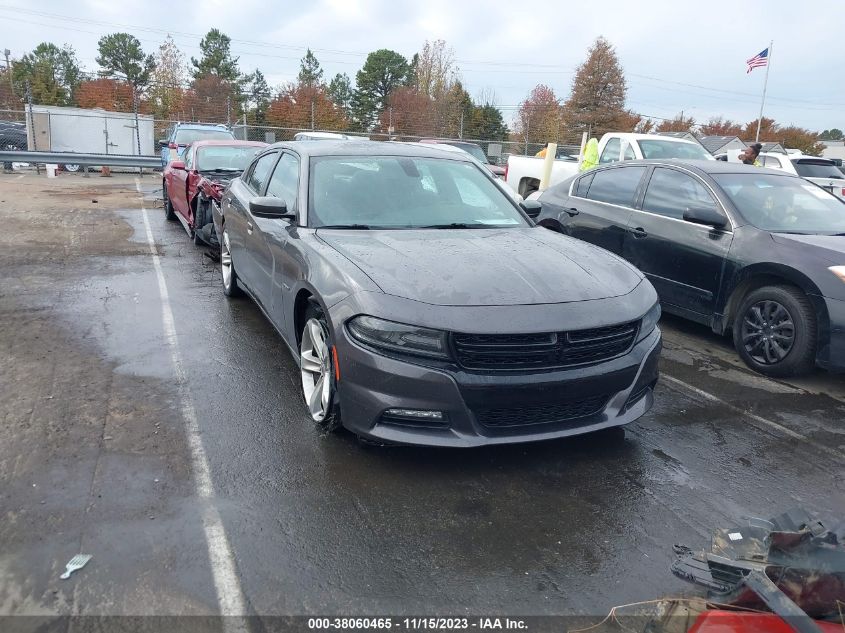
(423, 306)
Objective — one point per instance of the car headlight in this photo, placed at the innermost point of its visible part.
(398, 337)
(649, 321)
(839, 271)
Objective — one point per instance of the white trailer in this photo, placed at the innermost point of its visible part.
(61, 129)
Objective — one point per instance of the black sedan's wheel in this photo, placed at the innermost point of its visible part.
(316, 369)
(775, 331)
(227, 268)
(169, 213)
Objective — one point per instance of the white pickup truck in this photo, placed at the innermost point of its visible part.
(524, 172)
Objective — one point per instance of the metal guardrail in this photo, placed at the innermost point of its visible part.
(74, 158)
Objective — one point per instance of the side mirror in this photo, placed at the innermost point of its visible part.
(532, 208)
(271, 208)
(178, 164)
(707, 215)
(162, 142)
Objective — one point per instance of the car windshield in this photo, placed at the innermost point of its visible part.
(672, 149)
(783, 204)
(406, 192)
(225, 157)
(188, 136)
(472, 149)
(816, 168)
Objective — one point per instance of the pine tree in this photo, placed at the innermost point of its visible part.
(216, 58)
(310, 73)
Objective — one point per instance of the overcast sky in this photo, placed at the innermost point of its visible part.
(677, 55)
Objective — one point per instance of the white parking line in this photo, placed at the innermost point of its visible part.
(229, 594)
(748, 414)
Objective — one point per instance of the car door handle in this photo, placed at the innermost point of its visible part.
(639, 232)
(572, 211)
(249, 228)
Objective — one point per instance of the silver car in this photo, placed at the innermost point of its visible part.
(424, 307)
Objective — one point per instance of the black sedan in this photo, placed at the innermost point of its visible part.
(424, 307)
(748, 251)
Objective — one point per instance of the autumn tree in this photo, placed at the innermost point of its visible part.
(8, 99)
(383, 71)
(410, 112)
(794, 137)
(310, 72)
(598, 91)
(303, 106)
(679, 123)
(434, 69)
(105, 93)
(340, 91)
(210, 98)
(768, 130)
(216, 58)
(52, 73)
(167, 83)
(630, 121)
(538, 117)
(718, 126)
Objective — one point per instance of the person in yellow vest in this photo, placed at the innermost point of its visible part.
(749, 156)
(542, 152)
(591, 155)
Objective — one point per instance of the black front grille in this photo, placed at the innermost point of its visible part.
(551, 350)
(508, 417)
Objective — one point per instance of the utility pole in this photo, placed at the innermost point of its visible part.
(312, 114)
(7, 52)
(228, 111)
(32, 123)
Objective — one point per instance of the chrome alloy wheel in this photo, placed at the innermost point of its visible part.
(768, 332)
(226, 261)
(316, 369)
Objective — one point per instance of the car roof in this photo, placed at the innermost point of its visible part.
(367, 148)
(202, 126)
(705, 166)
(634, 136)
(223, 141)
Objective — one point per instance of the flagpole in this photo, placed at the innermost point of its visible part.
(765, 84)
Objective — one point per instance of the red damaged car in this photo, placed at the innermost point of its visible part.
(189, 185)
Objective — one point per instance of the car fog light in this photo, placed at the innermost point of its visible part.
(415, 413)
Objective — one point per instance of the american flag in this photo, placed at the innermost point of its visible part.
(758, 61)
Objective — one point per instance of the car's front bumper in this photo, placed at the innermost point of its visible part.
(586, 399)
(831, 352)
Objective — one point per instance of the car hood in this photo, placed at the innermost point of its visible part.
(830, 247)
(473, 267)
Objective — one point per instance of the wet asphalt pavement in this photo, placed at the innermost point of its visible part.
(94, 456)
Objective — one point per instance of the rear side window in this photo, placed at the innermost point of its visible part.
(261, 172)
(616, 186)
(671, 192)
(611, 151)
(583, 185)
(285, 181)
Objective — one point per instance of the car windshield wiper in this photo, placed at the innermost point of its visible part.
(463, 225)
(362, 227)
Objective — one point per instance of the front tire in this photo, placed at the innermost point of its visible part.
(227, 268)
(775, 331)
(317, 370)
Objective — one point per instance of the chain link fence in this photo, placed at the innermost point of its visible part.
(70, 129)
